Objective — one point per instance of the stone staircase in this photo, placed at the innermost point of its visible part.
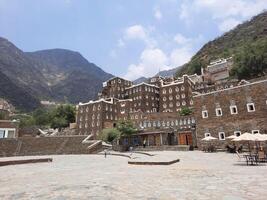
(163, 148)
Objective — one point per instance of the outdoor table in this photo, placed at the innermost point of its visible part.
(251, 158)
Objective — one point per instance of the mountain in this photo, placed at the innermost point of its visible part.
(70, 76)
(168, 73)
(57, 74)
(164, 73)
(248, 36)
(140, 80)
(18, 96)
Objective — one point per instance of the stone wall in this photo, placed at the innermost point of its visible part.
(45, 146)
(228, 122)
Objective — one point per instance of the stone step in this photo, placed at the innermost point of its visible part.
(163, 148)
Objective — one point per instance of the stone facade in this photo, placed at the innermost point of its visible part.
(150, 106)
(230, 111)
(24, 146)
(175, 95)
(217, 70)
(8, 129)
(154, 108)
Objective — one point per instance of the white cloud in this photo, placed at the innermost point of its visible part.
(135, 32)
(228, 24)
(180, 56)
(138, 32)
(181, 40)
(221, 10)
(120, 43)
(157, 14)
(151, 60)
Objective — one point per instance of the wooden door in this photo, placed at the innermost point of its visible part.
(157, 140)
(185, 139)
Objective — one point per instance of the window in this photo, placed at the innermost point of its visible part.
(237, 133)
(177, 104)
(207, 134)
(183, 103)
(182, 88)
(176, 89)
(177, 96)
(164, 105)
(170, 105)
(218, 112)
(164, 91)
(233, 110)
(204, 114)
(2, 133)
(183, 96)
(251, 107)
(164, 98)
(191, 102)
(221, 136)
(255, 131)
(170, 98)
(170, 90)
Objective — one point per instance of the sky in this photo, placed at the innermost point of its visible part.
(130, 38)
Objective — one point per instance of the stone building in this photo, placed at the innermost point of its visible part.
(5, 109)
(176, 94)
(217, 70)
(143, 104)
(114, 87)
(154, 108)
(8, 129)
(233, 110)
(145, 97)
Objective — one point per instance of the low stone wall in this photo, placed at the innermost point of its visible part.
(46, 146)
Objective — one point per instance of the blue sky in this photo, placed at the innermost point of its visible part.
(130, 38)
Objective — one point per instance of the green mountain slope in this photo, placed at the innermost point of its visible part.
(245, 42)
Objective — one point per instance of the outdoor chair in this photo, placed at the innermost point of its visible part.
(239, 156)
(240, 149)
(261, 156)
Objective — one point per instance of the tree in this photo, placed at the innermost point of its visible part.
(109, 134)
(185, 111)
(250, 61)
(126, 128)
(62, 116)
(41, 116)
(59, 122)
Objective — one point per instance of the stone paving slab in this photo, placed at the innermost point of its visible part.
(198, 175)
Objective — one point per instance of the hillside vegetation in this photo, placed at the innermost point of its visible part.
(247, 43)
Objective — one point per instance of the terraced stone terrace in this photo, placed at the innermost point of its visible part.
(198, 175)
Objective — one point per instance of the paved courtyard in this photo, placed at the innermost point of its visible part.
(197, 176)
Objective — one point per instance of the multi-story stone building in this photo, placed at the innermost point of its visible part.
(115, 87)
(145, 97)
(233, 110)
(176, 94)
(219, 109)
(143, 104)
(217, 70)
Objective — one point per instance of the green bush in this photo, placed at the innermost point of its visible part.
(185, 111)
(126, 128)
(109, 134)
